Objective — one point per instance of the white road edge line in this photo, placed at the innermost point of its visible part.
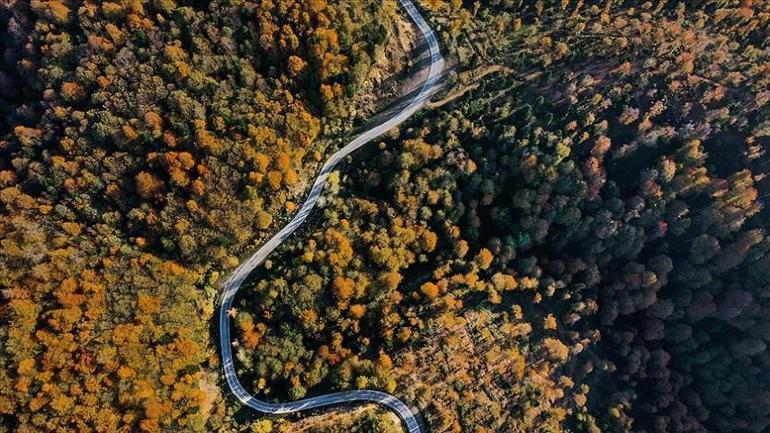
(235, 281)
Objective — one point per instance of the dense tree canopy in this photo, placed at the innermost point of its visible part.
(571, 238)
(583, 227)
(143, 145)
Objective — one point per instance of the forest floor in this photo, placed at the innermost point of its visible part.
(472, 78)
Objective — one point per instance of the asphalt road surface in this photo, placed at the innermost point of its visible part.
(239, 276)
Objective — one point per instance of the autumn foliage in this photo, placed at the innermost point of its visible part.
(576, 242)
(143, 146)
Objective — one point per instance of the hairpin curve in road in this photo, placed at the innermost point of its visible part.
(235, 281)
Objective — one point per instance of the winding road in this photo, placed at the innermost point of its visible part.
(235, 281)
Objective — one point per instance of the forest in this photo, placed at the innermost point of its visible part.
(573, 241)
(570, 238)
(144, 147)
